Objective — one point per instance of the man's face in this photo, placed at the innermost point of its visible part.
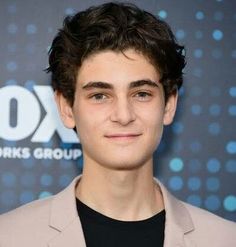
(119, 109)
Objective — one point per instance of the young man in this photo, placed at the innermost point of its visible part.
(116, 71)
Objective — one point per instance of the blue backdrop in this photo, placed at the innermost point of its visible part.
(197, 156)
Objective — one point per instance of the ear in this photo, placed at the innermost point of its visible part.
(170, 108)
(65, 110)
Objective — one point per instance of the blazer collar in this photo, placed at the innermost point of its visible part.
(64, 218)
(178, 220)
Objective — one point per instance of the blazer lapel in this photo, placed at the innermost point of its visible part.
(65, 220)
(178, 220)
(71, 236)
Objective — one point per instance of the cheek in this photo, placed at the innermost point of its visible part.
(153, 122)
(156, 130)
(155, 126)
(153, 116)
(88, 119)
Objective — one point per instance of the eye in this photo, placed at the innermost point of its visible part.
(98, 97)
(143, 95)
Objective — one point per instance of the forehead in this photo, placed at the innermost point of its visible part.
(116, 68)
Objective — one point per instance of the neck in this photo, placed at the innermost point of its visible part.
(127, 195)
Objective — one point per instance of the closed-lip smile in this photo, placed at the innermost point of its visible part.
(124, 135)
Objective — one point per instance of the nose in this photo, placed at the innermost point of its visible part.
(122, 112)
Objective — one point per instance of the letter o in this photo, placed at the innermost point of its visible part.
(28, 114)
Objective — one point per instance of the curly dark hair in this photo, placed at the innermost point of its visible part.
(117, 27)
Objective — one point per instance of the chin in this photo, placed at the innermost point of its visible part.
(124, 164)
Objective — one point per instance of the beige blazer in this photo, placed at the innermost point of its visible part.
(54, 222)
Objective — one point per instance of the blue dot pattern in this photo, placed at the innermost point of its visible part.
(194, 183)
(196, 158)
(203, 130)
(194, 200)
(176, 165)
(213, 165)
(212, 202)
(213, 184)
(230, 203)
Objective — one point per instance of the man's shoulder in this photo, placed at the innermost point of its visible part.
(27, 225)
(41, 217)
(211, 226)
(200, 216)
(199, 226)
(36, 212)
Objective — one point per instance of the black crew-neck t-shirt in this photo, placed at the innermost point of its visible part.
(102, 231)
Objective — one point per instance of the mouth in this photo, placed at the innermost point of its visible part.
(123, 137)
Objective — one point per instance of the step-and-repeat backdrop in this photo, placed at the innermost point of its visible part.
(196, 159)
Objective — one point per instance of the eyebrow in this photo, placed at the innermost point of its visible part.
(105, 85)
